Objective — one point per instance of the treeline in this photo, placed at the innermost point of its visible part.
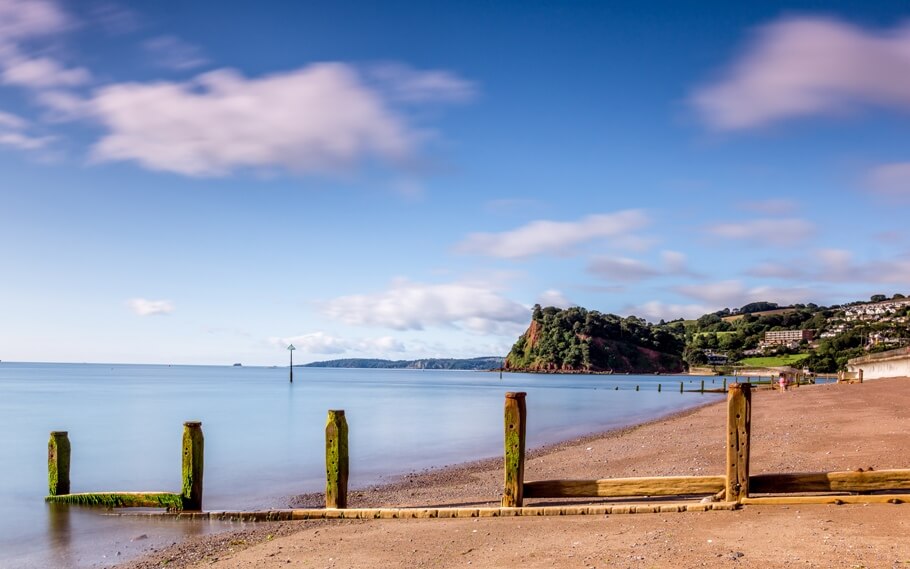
(482, 363)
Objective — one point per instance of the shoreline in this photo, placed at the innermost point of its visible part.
(799, 431)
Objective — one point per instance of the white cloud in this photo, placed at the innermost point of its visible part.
(145, 307)
(553, 237)
(771, 231)
(414, 306)
(323, 343)
(555, 298)
(322, 118)
(890, 179)
(809, 66)
(43, 72)
(173, 53)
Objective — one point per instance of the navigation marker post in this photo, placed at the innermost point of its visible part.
(291, 349)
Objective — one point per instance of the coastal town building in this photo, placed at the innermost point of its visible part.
(788, 338)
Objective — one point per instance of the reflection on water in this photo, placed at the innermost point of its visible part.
(264, 437)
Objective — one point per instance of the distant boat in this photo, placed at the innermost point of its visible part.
(238, 365)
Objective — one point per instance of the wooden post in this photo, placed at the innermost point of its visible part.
(636, 388)
(336, 460)
(725, 384)
(680, 387)
(739, 425)
(860, 375)
(515, 427)
(702, 386)
(58, 463)
(658, 388)
(193, 454)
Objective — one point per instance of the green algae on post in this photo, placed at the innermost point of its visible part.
(193, 454)
(515, 428)
(336, 460)
(58, 463)
(167, 500)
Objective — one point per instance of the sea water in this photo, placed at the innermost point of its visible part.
(264, 437)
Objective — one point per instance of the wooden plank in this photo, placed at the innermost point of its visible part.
(58, 463)
(515, 429)
(798, 500)
(617, 487)
(848, 481)
(336, 460)
(192, 468)
(739, 424)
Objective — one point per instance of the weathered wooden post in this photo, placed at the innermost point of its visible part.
(336, 460)
(680, 387)
(516, 414)
(702, 386)
(739, 425)
(658, 388)
(193, 454)
(725, 384)
(636, 388)
(58, 464)
(859, 375)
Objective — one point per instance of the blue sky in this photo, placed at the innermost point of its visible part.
(205, 182)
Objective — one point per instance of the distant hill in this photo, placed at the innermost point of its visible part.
(483, 363)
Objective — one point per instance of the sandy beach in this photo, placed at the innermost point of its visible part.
(818, 428)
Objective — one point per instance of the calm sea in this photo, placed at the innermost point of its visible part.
(264, 438)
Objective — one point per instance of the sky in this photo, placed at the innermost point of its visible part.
(207, 182)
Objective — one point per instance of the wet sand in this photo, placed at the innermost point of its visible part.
(819, 428)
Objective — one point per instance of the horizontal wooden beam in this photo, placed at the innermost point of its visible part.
(167, 500)
(440, 513)
(798, 500)
(619, 487)
(869, 481)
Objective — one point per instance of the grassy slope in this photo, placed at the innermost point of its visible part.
(774, 361)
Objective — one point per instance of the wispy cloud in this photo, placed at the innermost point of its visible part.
(403, 83)
(22, 22)
(809, 66)
(891, 180)
(621, 269)
(172, 52)
(774, 206)
(325, 343)
(625, 269)
(408, 305)
(42, 72)
(734, 293)
(146, 307)
(657, 310)
(553, 237)
(555, 298)
(766, 231)
(15, 133)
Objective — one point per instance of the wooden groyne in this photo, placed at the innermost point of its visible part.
(189, 498)
(735, 486)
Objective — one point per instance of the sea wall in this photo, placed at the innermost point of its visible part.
(893, 363)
